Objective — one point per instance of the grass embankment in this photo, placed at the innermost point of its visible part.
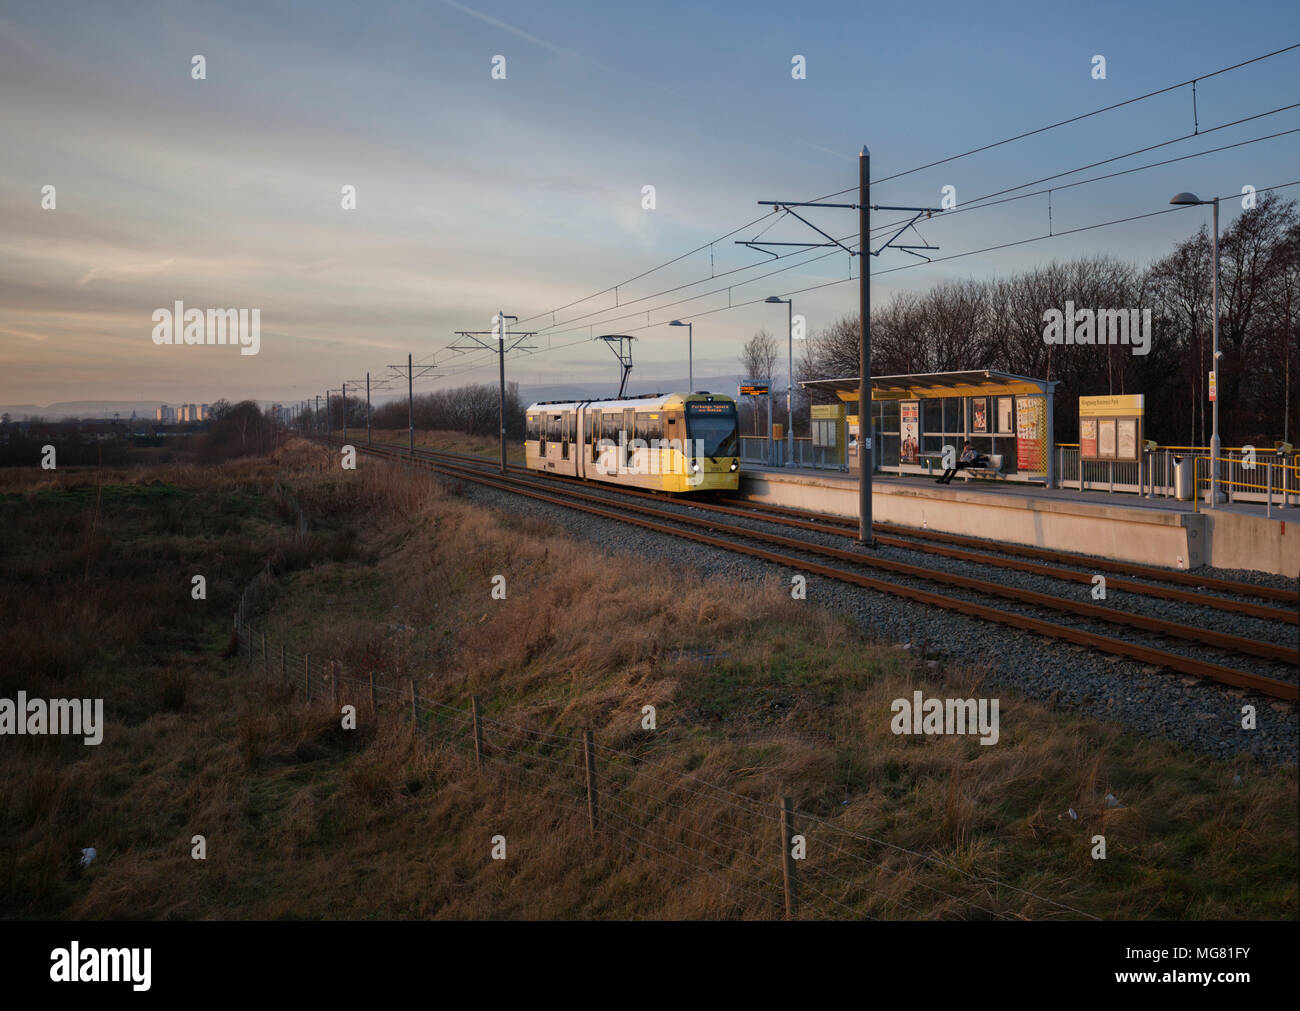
(487, 446)
(755, 693)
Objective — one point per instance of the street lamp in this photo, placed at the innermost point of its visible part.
(1188, 200)
(789, 380)
(690, 367)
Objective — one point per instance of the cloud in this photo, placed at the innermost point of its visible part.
(561, 51)
(124, 270)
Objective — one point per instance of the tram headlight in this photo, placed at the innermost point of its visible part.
(695, 466)
(735, 465)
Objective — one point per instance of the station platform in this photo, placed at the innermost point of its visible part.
(1155, 531)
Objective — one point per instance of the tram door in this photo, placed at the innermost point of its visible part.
(566, 435)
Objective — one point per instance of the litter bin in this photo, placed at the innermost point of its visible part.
(1183, 477)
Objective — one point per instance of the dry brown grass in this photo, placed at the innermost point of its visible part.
(756, 697)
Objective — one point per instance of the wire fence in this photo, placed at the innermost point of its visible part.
(766, 860)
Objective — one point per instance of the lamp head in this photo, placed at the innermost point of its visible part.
(1185, 199)
(677, 322)
(773, 298)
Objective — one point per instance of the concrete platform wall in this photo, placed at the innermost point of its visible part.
(1238, 541)
(1148, 536)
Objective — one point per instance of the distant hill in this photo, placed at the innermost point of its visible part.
(81, 409)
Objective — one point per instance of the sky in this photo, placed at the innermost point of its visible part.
(525, 193)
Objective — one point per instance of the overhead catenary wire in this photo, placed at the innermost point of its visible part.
(950, 158)
(972, 205)
(937, 259)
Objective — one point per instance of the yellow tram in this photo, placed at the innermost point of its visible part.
(674, 442)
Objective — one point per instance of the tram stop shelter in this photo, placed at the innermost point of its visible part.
(1004, 416)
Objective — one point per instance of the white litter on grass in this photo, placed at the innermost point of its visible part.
(1236, 781)
(1068, 814)
(1111, 801)
(87, 855)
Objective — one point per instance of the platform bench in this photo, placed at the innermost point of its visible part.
(993, 470)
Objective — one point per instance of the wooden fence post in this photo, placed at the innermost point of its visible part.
(787, 859)
(374, 699)
(334, 681)
(266, 659)
(415, 706)
(593, 803)
(306, 675)
(284, 665)
(478, 733)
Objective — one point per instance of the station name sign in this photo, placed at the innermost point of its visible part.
(1127, 405)
(1110, 427)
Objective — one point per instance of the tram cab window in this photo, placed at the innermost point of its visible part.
(530, 430)
(713, 424)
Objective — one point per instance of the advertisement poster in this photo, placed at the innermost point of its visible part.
(979, 421)
(1126, 432)
(1106, 438)
(909, 431)
(1030, 432)
(1087, 438)
(1004, 415)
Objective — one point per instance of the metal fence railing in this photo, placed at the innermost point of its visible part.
(755, 449)
(1250, 478)
(696, 828)
(1172, 472)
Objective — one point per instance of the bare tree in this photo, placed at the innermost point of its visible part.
(758, 359)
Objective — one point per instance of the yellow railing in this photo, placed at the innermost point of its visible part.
(1269, 488)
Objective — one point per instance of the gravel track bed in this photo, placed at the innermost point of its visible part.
(1155, 607)
(1250, 576)
(1201, 715)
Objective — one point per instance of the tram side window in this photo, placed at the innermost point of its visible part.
(648, 427)
(530, 431)
(553, 428)
(610, 421)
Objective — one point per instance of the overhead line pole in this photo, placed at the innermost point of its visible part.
(367, 408)
(865, 449)
(500, 333)
(410, 399)
(501, 361)
(866, 455)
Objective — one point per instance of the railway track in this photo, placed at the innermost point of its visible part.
(631, 507)
(1162, 583)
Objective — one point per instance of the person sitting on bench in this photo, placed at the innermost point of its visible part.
(968, 460)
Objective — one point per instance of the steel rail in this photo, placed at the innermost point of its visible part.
(1066, 557)
(939, 544)
(1147, 654)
